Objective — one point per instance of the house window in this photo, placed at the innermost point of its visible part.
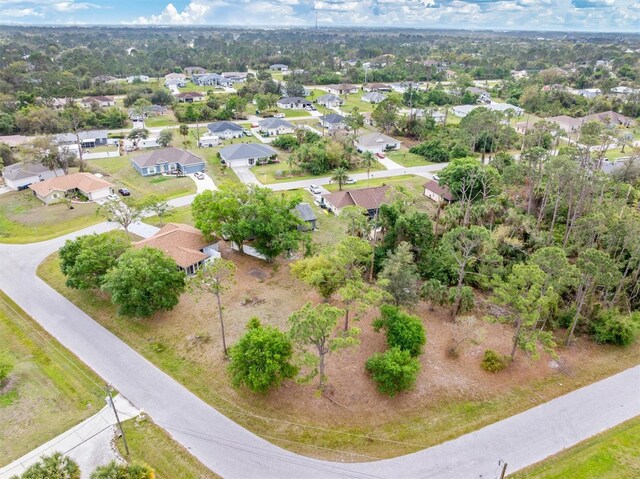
(252, 161)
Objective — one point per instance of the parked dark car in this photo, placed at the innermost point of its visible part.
(124, 192)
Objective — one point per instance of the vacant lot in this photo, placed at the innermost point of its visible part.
(49, 390)
(26, 219)
(149, 444)
(161, 120)
(414, 183)
(120, 172)
(452, 397)
(404, 158)
(610, 455)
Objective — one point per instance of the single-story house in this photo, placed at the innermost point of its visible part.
(208, 141)
(54, 189)
(141, 78)
(333, 121)
(88, 139)
(610, 118)
(99, 101)
(330, 100)
(368, 198)
(175, 76)
(373, 97)
(167, 160)
(153, 110)
(589, 92)
(99, 79)
(566, 123)
(519, 74)
(342, 89)
(225, 130)
(368, 119)
(175, 83)
(306, 214)
(275, 126)
(14, 141)
(210, 79)
(624, 90)
(293, 103)
(437, 193)
(483, 95)
(280, 67)
(247, 154)
(189, 97)
(504, 108)
(379, 87)
(184, 244)
(402, 87)
(20, 175)
(189, 71)
(377, 143)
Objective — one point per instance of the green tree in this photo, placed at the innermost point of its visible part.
(114, 470)
(158, 207)
(464, 247)
(184, 132)
(402, 330)
(394, 371)
(435, 292)
(261, 359)
(385, 114)
(215, 278)
(87, 259)
(357, 221)
(144, 281)
(55, 466)
(320, 272)
(124, 211)
(399, 275)
(340, 176)
(220, 213)
(315, 326)
(355, 121)
(368, 160)
(165, 138)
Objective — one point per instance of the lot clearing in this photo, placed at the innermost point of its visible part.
(353, 421)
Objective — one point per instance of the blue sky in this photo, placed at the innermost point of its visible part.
(589, 15)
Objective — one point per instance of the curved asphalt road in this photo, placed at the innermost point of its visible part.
(232, 451)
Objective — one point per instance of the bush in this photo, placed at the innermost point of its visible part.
(393, 371)
(114, 470)
(494, 362)
(6, 366)
(261, 358)
(611, 327)
(403, 330)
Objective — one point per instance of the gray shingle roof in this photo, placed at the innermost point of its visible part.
(294, 99)
(374, 97)
(84, 135)
(304, 212)
(332, 118)
(23, 170)
(329, 98)
(271, 123)
(243, 151)
(167, 155)
(222, 126)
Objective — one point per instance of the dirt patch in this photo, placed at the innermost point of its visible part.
(259, 274)
(8, 385)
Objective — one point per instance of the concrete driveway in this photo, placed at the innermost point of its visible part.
(204, 184)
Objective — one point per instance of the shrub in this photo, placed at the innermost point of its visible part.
(611, 327)
(494, 362)
(403, 330)
(393, 371)
(261, 358)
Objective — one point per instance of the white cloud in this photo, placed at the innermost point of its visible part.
(20, 12)
(193, 13)
(73, 6)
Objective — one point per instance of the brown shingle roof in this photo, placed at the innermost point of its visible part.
(190, 94)
(442, 191)
(368, 198)
(181, 242)
(85, 182)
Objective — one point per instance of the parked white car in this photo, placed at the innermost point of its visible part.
(315, 189)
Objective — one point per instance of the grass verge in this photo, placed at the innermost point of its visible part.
(50, 390)
(149, 444)
(610, 455)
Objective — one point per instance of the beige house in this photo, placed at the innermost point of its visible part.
(437, 193)
(54, 189)
(184, 244)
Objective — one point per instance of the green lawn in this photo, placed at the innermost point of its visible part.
(100, 149)
(404, 158)
(26, 219)
(267, 173)
(151, 445)
(178, 215)
(191, 87)
(610, 455)
(410, 181)
(615, 153)
(293, 113)
(120, 172)
(167, 119)
(354, 100)
(51, 389)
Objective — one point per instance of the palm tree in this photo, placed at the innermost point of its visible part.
(368, 160)
(340, 176)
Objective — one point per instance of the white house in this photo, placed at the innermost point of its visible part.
(175, 76)
(280, 67)
(293, 103)
(330, 101)
(275, 126)
(589, 92)
(208, 141)
(101, 101)
(463, 110)
(373, 97)
(377, 143)
(141, 78)
(225, 130)
(20, 175)
(342, 89)
(247, 154)
(437, 193)
(333, 121)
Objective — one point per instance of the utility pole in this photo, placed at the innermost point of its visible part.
(115, 411)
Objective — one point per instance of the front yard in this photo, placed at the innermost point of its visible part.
(49, 390)
(168, 119)
(120, 172)
(404, 158)
(26, 219)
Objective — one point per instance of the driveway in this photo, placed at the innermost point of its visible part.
(205, 184)
(245, 175)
